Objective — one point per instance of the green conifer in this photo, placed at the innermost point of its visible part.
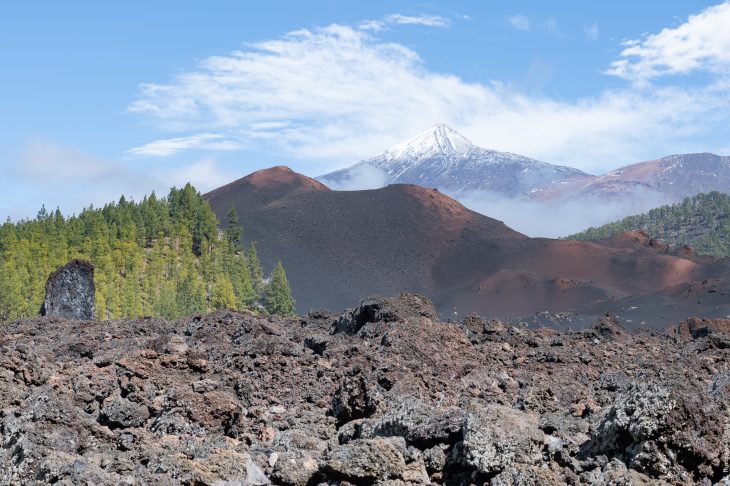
(278, 298)
(257, 273)
(234, 232)
(222, 295)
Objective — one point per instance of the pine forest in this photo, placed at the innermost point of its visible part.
(161, 257)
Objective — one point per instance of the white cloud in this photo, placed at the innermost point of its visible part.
(400, 19)
(427, 20)
(591, 31)
(372, 25)
(47, 162)
(556, 218)
(172, 146)
(52, 174)
(359, 178)
(337, 94)
(204, 174)
(702, 43)
(520, 22)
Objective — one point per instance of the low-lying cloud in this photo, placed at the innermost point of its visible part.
(359, 178)
(556, 218)
(536, 218)
(50, 174)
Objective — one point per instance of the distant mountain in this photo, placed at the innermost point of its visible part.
(340, 245)
(665, 180)
(443, 158)
(497, 183)
(702, 222)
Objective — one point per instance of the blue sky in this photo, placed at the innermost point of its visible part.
(105, 98)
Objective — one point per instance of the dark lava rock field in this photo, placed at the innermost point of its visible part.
(381, 394)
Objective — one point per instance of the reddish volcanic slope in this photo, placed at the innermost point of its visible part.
(260, 188)
(340, 245)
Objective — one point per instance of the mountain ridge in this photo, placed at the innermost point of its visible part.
(671, 178)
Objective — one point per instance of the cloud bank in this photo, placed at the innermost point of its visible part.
(45, 172)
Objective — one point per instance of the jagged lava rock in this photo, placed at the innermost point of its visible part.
(239, 398)
(70, 292)
(497, 437)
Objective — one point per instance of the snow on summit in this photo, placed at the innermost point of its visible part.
(442, 157)
(439, 139)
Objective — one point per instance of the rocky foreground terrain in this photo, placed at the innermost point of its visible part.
(383, 394)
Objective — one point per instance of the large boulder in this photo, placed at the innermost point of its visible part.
(120, 413)
(365, 461)
(694, 328)
(353, 400)
(379, 309)
(663, 432)
(498, 437)
(70, 292)
(418, 424)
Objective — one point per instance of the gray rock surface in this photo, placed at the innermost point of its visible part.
(237, 398)
(497, 437)
(365, 460)
(120, 413)
(70, 292)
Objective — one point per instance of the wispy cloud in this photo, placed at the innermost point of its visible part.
(702, 43)
(338, 94)
(519, 22)
(522, 22)
(172, 146)
(551, 25)
(372, 25)
(591, 31)
(400, 19)
(427, 20)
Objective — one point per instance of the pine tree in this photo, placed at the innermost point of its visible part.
(190, 296)
(246, 295)
(10, 291)
(234, 232)
(279, 299)
(257, 273)
(167, 303)
(222, 295)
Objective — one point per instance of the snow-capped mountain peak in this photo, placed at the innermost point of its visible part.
(442, 157)
(439, 140)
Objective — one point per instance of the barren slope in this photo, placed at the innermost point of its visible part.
(337, 245)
